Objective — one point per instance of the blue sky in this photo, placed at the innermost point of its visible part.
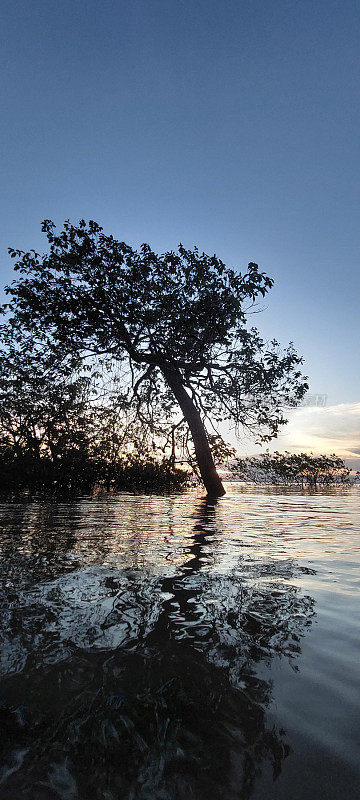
(230, 125)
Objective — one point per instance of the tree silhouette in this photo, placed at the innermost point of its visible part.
(177, 320)
(302, 468)
(61, 432)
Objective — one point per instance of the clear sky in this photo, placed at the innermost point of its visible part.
(231, 125)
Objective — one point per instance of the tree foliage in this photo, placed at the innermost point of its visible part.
(59, 433)
(175, 325)
(300, 468)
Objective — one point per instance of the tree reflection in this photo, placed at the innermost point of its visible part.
(150, 688)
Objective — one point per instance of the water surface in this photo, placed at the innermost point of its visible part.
(169, 647)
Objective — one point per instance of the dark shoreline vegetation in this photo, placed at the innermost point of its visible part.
(25, 476)
(73, 475)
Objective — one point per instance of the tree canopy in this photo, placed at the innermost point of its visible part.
(175, 325)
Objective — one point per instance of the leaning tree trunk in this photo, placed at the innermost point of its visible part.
(212, 482)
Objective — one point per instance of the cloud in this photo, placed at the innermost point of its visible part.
(333, 429)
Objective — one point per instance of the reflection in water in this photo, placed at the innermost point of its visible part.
(136, 650)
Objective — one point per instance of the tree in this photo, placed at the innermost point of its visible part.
(44, 408)
(177, 321)
(288, 468)
(61, 433)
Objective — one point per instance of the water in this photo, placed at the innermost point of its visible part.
(169, 647)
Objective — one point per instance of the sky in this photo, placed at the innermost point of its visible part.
(230, 125)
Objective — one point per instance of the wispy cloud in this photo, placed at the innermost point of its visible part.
(335, 429)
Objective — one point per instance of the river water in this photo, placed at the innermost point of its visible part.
(170, 647)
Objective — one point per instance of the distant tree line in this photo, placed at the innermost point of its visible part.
(305, 469)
